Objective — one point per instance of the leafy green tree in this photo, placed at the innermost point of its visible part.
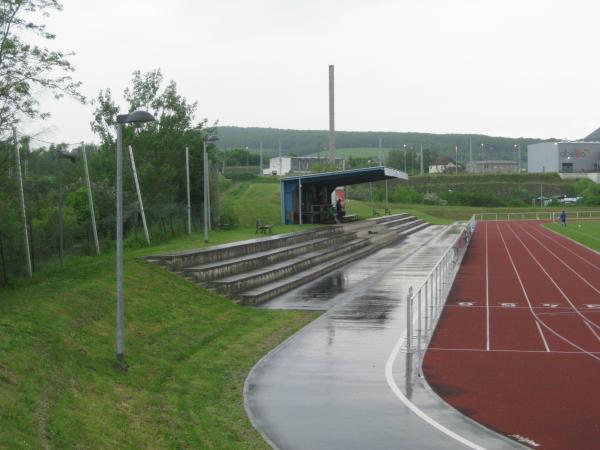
(26, 68)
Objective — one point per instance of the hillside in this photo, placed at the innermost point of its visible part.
(305, 142)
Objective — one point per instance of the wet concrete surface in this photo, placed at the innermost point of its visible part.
(326, 388)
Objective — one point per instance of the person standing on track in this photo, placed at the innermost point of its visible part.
(563, 218)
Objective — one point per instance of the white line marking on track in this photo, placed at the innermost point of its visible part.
(522, 287)
(389, 376)
(543, 337)
(548, 235)
(487, 293)
(585, 319)
(593, 331)
(540, 321)
(561, 352)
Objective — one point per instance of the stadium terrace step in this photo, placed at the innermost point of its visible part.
(177, 261)
(233, 266)
(390, 218)
(398, 221)
(267, 291)
(240, 282)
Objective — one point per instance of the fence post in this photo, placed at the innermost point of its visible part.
(426, 288)
(408, 321)
(419, 322)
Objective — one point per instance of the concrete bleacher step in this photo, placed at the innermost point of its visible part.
(248, 280)
(178, 260)
(406, 225)
(233, 266)
(384, 219)
(399, 221)
(267, 291)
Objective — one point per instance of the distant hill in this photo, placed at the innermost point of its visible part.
(306, 142)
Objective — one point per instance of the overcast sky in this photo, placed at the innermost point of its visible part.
(499, 67)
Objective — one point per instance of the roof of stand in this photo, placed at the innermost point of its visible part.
(352, 176)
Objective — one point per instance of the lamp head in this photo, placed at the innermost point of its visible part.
(135, 117)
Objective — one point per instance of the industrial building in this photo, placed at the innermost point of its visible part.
(493, 166)
(564, 157)
(299, 164)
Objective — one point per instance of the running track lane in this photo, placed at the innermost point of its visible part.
(537, 380)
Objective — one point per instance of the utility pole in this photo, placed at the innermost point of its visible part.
(187, 179)
(422, 172)
(61, 252)
(380, 156)
(90, 198)
(139, 195)
(280, 162)
(260, 171)
(22, 203)
(456, 159)
(470, 153)
(542, 187)
(331, 116)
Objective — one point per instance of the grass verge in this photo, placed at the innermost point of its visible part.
(188, 351)
(584, 231)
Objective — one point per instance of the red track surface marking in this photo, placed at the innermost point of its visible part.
(517, 387)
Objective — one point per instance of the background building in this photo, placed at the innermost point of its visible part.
(299, 164)
(564, 157)
(493, 166)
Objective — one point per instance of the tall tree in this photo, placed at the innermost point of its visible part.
(27, 68)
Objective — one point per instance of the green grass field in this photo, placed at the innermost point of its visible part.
(585, 231)
(188, 351)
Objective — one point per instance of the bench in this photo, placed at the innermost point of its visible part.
(263, 227)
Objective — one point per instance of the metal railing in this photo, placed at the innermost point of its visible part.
(424, 305)
(536, 215)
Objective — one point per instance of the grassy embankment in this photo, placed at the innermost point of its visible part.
(188, 351)
(585, 231)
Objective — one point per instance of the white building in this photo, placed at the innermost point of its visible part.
(299, 164)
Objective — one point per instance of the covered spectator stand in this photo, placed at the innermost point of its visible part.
(316, 192)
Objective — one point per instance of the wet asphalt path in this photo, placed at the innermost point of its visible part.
(325, 388)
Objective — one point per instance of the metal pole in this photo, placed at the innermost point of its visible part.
(331, 116)
(456, 159)
(90, 198)
(260, 172)
(187, 178)
(139, 195)
(409, 320)
(419, 322)
(120, 293)
(422, 171)
(471, 153)
(280, 162)
(380, 155)
(386, 196)
(22, 204)
(371, 198)
(542, 187)
(61, 253)
(208, 190)
(300, 200)
(205, 174)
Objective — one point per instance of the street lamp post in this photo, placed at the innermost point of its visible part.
(404, 146)
(456, 159)
(208, 138)
(517, 148)
(134, 117)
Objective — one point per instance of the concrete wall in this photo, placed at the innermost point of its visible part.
(542, 157)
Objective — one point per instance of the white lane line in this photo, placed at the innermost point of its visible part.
(543, 337)
(522, 287)
(540, 321)
(549, 235)
(487, 293)
(562, 352)
(562, 262)
(585, 319)
(593, 331)
(389, 376)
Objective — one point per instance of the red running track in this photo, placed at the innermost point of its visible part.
(517, 347)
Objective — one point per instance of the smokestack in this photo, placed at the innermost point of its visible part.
(331, 116)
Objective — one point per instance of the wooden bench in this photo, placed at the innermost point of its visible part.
(263, 227)
(350, 218)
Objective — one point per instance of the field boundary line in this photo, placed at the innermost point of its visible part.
(572, 240)
(487, 292)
